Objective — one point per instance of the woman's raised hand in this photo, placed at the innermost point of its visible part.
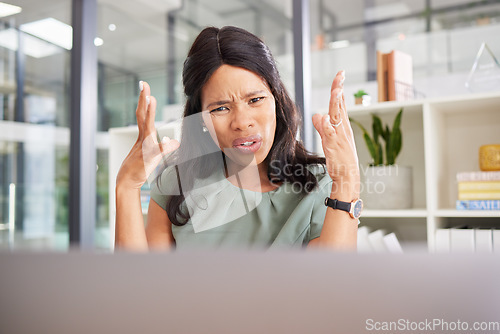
(338, 142)
(146, 153)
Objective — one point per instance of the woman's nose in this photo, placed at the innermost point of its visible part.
(242, 118)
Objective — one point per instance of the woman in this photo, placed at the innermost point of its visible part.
(240, 178)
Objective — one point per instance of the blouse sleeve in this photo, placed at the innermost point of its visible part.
(165, 186)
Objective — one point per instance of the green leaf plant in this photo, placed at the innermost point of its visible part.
(360, 93)
(391, 138)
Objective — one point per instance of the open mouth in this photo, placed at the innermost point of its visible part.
(246, 145)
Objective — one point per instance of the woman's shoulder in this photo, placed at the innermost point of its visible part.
(165, 182)
(321, 174)
(173, 178)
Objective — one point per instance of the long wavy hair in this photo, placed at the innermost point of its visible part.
(236, 47)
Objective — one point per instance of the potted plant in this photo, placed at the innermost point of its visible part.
(386, 185)
(358, 96)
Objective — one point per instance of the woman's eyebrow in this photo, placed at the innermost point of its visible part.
(217, 103)
(256, 92)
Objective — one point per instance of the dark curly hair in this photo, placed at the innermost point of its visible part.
(236, 47)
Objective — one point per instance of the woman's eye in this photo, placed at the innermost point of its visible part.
(257, 99)
(220, 110)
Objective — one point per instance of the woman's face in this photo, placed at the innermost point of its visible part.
(240, 112)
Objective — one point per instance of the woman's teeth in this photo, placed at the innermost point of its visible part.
(248, 143)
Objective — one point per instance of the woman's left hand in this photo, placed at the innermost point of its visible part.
(338, 143)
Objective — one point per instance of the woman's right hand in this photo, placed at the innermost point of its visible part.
(146, 153)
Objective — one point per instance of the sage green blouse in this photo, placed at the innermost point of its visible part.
(226, 216)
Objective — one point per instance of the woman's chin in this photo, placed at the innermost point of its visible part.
(241, 159)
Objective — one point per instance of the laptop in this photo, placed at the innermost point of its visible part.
(248, 292)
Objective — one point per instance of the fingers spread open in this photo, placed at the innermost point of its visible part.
(150, 116)
(323, 125)
(142, 105)
(317, 122)
(328, 129)
(338, 81)
(347, 122)
(335, 109)
(169, 145)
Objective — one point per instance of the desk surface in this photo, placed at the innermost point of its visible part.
(258, 292)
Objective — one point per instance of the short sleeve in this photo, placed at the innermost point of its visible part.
(165, 186)
(319, 209)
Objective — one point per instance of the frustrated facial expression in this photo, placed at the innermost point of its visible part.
(240, 112)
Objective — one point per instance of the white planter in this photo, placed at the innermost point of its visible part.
(387, 187)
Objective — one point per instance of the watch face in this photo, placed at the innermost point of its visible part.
(358, 207)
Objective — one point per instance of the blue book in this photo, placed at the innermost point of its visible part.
(478, 205)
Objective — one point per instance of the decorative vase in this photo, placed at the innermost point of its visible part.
(364, 100)
(489, 157)
(387, 187)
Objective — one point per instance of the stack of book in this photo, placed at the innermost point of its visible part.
(478, 191)
(377, 241)
(467, 240)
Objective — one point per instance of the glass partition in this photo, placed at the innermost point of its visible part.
(34, 134)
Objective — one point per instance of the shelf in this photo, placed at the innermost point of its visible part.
(383, 107)
(467, 213)
(457, 130)
(465, 103)
(410, 213)
(44, 134)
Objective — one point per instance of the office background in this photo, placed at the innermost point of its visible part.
(149, 39)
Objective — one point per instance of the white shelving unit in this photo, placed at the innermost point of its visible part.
(440, 138)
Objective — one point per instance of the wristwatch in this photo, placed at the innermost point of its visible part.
(354, 208)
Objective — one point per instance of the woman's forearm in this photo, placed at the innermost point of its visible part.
(339, 230)
(129, 230)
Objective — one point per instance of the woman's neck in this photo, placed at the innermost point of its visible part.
(251, 177)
